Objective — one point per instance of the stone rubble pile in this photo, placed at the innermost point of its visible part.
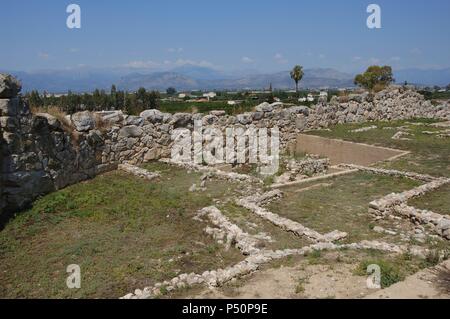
(311, 165)
(139, 172)
(384, 206)
(440, 224)
(401, 136)
(227, 232)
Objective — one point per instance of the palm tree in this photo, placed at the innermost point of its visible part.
(297, 75)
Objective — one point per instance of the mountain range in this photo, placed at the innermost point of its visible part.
(190, 77)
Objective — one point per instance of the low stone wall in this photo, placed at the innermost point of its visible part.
(41, 153)
(440, 224)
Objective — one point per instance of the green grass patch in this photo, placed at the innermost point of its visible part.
(341, 206)
(123, 231)
(437, 201)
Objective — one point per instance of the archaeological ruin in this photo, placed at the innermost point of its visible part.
(42, 154)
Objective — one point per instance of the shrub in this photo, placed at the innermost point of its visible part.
(390, 272)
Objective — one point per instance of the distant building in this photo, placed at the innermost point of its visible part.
(210, 95)
(182, 95)
(323, 96)
(310, 98)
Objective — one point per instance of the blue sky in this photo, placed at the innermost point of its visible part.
(227, 35)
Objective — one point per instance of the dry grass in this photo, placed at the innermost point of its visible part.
(194, 109)
(56, 112)
(61, 117)
(101, 124)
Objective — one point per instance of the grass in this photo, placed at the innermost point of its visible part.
(390, 273)
(429, 154)
(437, 201)
(124, 232)
(300, 288)
(342, 206)
(253, 224)
(395, 268)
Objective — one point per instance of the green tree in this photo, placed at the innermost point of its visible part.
(34, 99)
(113, 97)
(297, 75)
(375, 78)
(171, 91)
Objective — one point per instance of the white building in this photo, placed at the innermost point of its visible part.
(323, 97)
(210, 95)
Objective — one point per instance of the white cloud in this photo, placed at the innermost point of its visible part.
(175, 50)
(374, 61)
(416, 51)
(322, 56)
(74, 50)
(357, 58)
(202, 63)
(43, 55)
(395, 59)
(142, 64)
(246, 59)
(279, 58)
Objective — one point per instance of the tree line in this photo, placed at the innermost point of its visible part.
(99, 100)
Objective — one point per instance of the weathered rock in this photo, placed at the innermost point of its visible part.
(83, 121)
(134, 120)
(218, 113)
(111, 117)
(10, 107)
(245, 118)
(210, 119)
(130, 131)
(181, 119)
(264, 107)
(153, 115)
(9, 86)
(52, 121)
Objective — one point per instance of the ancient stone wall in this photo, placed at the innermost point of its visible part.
(41, 153)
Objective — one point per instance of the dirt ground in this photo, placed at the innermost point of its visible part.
(336, 281)
(339, 151)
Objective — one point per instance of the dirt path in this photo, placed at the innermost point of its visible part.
(300, 281)
(331, 281)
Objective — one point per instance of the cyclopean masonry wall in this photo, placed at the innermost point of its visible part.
(41, 154)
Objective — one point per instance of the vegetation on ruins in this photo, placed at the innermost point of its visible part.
(376, 78)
